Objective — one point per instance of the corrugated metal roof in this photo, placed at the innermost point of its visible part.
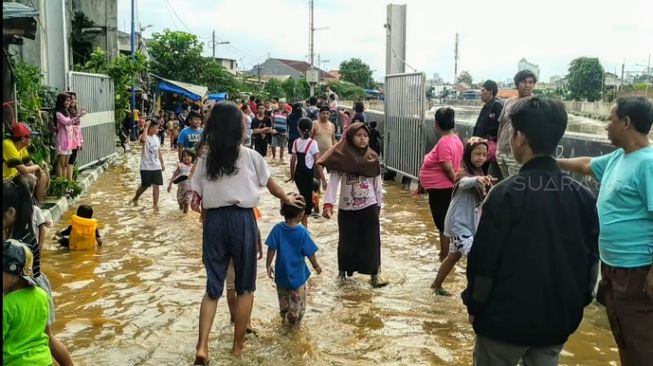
(17, 10)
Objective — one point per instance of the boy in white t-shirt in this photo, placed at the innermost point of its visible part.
(152, 165)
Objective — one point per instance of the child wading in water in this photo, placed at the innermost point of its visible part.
(181, 178)
(470, 188)
(357, 168)
(291, 242)
(152, 165)
(302, 165)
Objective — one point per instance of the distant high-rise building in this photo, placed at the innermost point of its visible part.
(525, 65)
(555, 78)
(437, 79)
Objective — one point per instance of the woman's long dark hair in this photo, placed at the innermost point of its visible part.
(59, 106)
(223, 133)
(305, 126)
(296, 109)
(15, 194)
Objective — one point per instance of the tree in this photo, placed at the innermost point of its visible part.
(295, 90)
(465, 77)
(217, 78)
(177, 56)
(274, 88)
(585, 79)
(357, 72)
(344, 89)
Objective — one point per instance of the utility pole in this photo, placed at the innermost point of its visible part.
(455, 56)
(133, 34)
(310, 46)
(213, 43)
(623, 67)
(648, 74)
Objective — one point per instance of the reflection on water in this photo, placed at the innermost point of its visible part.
(135, 300)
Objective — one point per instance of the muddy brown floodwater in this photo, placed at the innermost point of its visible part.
(135, 300)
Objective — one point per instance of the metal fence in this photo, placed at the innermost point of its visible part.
(95, 94)
(405, 103)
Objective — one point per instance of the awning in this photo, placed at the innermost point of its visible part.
(17, 10)
(18, 21)
(190, 91)
(218, 96)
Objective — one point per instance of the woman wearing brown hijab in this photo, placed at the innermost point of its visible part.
(357, 170)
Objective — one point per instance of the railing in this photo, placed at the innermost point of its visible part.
(405, 101)
(95, 94)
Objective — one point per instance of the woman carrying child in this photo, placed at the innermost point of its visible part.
(291, 243)
(357, 170)
(470, 188)
(181, 178)
(228, 182)
(302, 165)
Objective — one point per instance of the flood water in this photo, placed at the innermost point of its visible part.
(135, 300)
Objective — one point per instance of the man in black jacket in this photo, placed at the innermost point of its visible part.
(534, 261)
(487, 125)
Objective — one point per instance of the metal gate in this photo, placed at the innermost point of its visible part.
(95, 94)
(405, 103)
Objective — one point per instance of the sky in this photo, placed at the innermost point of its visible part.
(493, 35)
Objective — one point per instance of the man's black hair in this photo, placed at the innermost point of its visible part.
(85, 211)
(194, 114)
(252, 98)
(523, 75)
(445, 118)
(639, 110)
(373, 124)
(543, 120)
(276, 99)
(325, 108)
(359, 107)
(312, 100)
(492, 86)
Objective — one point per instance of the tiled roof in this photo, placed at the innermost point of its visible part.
(302, 66)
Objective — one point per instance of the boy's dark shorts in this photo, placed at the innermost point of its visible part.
(150, 177)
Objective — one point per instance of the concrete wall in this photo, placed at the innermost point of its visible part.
(571, 145)
(591, 108)
(104, 13)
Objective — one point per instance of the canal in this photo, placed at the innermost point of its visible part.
(135, 300)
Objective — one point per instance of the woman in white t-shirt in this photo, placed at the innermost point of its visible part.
(302, 165)
(229, 182)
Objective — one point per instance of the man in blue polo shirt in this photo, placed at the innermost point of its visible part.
(625, 208)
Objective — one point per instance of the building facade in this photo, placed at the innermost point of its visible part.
(525, 65)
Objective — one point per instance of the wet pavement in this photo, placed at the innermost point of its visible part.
(135, 300)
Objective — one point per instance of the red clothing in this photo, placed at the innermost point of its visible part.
(431, 174)
(252, 107)
(287, 107)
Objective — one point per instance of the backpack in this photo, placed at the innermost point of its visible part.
(313, 113)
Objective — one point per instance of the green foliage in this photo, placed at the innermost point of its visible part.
(639, 86)
(357, 72)
(296, 90)
(585, 79)
(465, 77)
(274, 88)
(218, 79)
(345, 90)
(32, 97)
(61, 186)
(176, 55)
(121, 69)
(80, 42)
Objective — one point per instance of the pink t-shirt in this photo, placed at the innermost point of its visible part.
(448, 148)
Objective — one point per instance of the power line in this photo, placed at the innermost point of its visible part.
(178, 17)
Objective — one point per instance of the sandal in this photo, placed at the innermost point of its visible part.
(377, 281)
(442, 292)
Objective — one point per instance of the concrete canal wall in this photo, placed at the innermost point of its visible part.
(572, 144)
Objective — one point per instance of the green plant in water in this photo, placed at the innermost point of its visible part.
(60, 186)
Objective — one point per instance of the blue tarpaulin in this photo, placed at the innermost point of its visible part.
(190, 91)
(218, 96)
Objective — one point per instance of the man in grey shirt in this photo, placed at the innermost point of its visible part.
(525, 82)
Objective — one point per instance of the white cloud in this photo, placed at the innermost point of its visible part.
(494, 35)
